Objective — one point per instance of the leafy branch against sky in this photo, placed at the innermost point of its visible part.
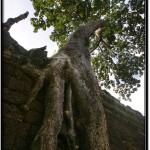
(124, 33)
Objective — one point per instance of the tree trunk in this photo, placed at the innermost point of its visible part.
(74, 116)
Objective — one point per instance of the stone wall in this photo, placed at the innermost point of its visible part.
(19, 127)
(125, 125)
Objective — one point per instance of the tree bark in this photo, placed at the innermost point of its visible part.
(74, 114)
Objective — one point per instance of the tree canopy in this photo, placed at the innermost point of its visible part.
(118, 59)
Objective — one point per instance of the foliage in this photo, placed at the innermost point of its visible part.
(116, 65)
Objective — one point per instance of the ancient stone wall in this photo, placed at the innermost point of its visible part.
(18, 127)
(125, 125)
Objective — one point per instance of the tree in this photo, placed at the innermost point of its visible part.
(118, 56)
(74, 115)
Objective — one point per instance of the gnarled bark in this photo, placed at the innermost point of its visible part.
(74, 115)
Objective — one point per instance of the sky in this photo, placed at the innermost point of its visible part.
(23, 33)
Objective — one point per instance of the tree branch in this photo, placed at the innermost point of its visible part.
(7, 25)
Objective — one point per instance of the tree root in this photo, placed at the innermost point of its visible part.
(33, 93)
(68, 114)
